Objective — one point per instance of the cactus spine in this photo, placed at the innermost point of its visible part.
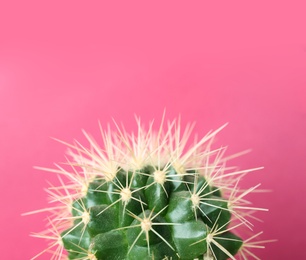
(149, 195)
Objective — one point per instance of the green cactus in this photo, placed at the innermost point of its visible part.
(148, 196)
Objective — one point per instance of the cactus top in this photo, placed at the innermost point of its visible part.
(148, 195)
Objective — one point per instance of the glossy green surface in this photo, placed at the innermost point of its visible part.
(154, 221)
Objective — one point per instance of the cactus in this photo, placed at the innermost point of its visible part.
(149, 195)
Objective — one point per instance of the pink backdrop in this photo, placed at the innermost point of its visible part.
(65, 65)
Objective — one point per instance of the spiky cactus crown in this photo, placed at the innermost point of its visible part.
(149, 195)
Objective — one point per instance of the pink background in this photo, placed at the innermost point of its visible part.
(66, 65)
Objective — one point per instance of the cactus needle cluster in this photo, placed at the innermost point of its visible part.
(153, 194)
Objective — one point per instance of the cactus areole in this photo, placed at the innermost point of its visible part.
(148, 195)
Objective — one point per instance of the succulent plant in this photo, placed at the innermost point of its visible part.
(149, 195)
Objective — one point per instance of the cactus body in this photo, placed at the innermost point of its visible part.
(148, 196)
